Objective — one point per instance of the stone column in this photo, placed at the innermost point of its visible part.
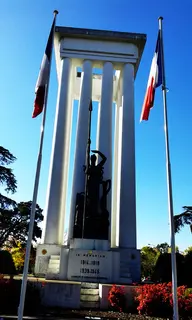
(81, 139)
(104, 126)
(57, 184)
(127, 229)
(116, 170)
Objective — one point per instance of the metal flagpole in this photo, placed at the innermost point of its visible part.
(169, 182)
(34, 201)
(87, 167)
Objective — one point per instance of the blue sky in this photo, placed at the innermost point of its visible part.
(24, 30)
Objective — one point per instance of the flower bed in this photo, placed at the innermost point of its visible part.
(156, 300)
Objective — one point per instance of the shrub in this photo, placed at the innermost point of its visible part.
(156, 300)
(116, 298)
(6, 263)
(10, 296)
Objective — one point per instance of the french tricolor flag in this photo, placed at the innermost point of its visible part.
(43, 76)
(154, 81)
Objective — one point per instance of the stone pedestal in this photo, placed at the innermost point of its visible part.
(60, 262)
(43, 254)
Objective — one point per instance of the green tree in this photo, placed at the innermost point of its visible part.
(149, 257)
(187, 268)
(7, 178)
(17, 250)
(14, 222)
(184, 218)
(6, 263)
(163, 247)
(163, 269)
(188, 250)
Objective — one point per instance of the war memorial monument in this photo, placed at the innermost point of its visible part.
(101, 246)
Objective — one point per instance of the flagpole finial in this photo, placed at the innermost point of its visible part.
(55, 12)
(160, 18)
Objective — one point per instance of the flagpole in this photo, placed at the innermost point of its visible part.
(34, 201)
(169, 182)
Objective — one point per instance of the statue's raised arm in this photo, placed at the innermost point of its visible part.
(103, 157)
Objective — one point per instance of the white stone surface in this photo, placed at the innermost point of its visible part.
(130, 262)
(64, 263)
(57, 185)
(89, 244)
(97, 51)
(64, 295)
(127, 214)
(116, 170)
(81, 139)
(43, 254)
(93, 266)
(104, 127)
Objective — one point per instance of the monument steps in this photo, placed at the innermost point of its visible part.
(53, 267)
(89, 291)
(89, 285)
(89, 298)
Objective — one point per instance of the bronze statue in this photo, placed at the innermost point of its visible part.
(96, 216)
(94, 180)
(91, 215)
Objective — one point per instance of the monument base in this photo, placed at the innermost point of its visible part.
(89, 244)
(130, 265)
(77, 295)
(82, 262)
(64, 263)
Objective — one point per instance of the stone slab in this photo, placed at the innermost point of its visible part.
(64, 295)
(90, 265)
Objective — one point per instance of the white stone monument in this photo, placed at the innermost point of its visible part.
(115, 258)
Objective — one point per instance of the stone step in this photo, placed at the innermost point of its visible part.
(89, 305)
(54, 257)
(52, 270)
(89, 291)
(54, 262)
(89, 285)
(87, 297)
(53, 266)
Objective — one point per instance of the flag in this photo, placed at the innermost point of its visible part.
(154, 81)
(43, 76)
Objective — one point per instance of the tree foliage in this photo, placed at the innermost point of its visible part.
(17, 250)
(7, 178)
(162, 270)
(163, 247)
(6, 263)
(184, 218)
(188, 250)
(149, 257)
(14, 222)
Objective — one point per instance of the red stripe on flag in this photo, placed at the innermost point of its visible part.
(149, 100)
(39, 101)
